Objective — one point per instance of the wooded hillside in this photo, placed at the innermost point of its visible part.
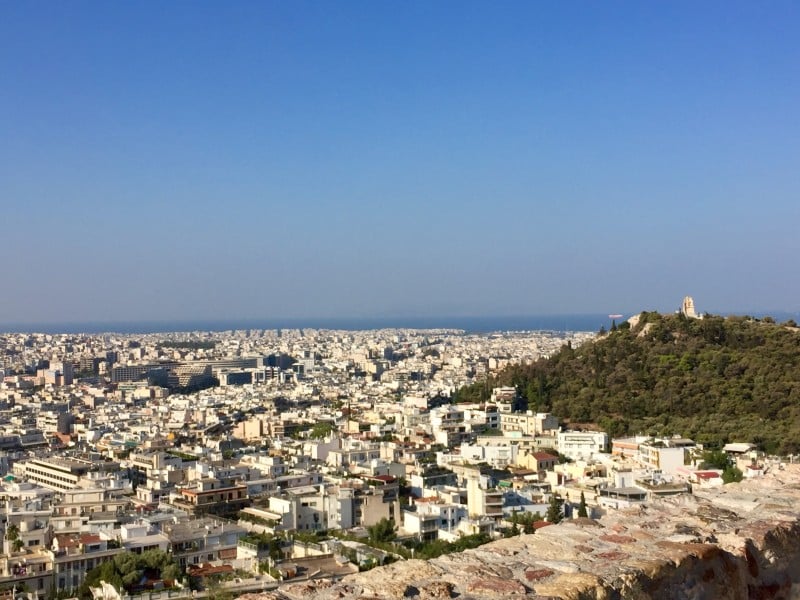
(715, 379)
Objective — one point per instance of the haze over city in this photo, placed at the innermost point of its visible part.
(357, 159)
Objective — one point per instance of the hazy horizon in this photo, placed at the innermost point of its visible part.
(167, 162)
(469, 323)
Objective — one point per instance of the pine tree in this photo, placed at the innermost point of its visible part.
(582, 512)
(554, 512)
(514, 522)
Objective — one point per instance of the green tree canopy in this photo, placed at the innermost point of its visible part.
(555, 512)
(322, 430)
(382, 531)
(732, 474)
(715, 459)
(126, 570)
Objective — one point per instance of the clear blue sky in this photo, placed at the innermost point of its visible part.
(163, 160)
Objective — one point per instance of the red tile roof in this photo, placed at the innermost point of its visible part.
(544, 456)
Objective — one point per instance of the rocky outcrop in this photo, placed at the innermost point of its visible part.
(741, 541)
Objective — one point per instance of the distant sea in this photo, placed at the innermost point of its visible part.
(591, 322)
(581, 322)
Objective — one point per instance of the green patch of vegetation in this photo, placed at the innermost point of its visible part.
(732, 474)
(256, 520)
(382, 531)
(264, 541)
(322, 430)
(436, 548)
(311, 537)
(522, 521)
(715, 459)
(182, 455)
(382, 537)
(490, 431)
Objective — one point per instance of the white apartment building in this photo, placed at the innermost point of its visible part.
(582, 445)
(498, 456)
(57, 474)
(430, 518)
(667, 455)
(528, 423)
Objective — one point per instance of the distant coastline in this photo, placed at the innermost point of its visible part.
(584, 322)
(485, 324)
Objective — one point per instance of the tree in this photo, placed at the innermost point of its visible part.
(514, 529)
(732, 474)
(104, 572)
(715, 459)
(554, 511)
(127, 569)
(275, 552)
(582, 512)
(171, 572)
(382, 531)
(526, 520)
(216, 591)
(321, 430)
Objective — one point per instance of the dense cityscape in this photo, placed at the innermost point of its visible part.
(250, 458)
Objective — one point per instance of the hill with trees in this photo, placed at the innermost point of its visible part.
(714, 379)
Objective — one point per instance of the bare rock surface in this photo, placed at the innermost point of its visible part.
(741, 541)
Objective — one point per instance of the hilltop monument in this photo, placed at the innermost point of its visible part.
(687, 308)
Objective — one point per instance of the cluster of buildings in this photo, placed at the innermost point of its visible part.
(306, 432)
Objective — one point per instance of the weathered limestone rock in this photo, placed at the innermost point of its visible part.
(739, 542)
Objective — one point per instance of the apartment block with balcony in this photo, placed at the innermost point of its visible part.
(210, 496)
(582, 445)
(483, 501)
(203, 540)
